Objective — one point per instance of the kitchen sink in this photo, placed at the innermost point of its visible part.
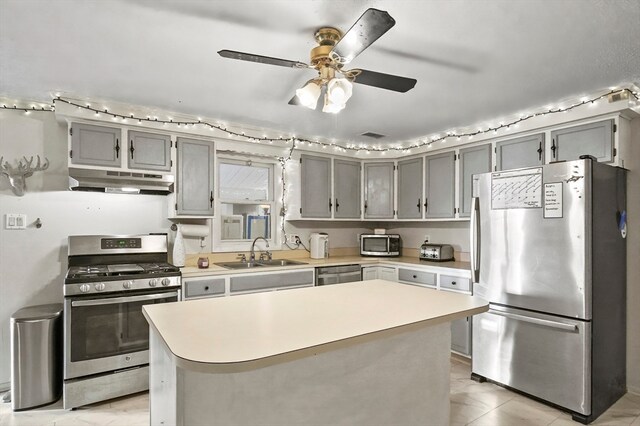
(239, 265)
(280, 262)
(261, 263)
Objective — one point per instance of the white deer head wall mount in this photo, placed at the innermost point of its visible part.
(18, 176)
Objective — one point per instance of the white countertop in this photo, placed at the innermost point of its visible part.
(190, 271)
(247, 328)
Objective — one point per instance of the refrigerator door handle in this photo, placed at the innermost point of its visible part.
(475, 240)
(537, 321)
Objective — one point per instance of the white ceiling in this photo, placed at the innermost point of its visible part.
(474, 60)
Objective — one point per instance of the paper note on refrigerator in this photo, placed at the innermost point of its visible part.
(520, 189)
(553, 200)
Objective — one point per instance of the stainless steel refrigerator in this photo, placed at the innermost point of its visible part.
(548, 252)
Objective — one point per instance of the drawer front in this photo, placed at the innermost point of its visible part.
(269, 281)
(417, 277)
(203, 287)
(455, 283)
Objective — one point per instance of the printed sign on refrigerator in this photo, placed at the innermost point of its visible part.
(553, 200)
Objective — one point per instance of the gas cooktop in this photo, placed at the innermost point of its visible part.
(120, 271)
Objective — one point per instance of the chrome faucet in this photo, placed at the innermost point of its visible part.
(252, 254)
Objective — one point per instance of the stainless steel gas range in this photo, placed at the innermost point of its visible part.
(106, 338)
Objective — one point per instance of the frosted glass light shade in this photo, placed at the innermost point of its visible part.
(309, 94)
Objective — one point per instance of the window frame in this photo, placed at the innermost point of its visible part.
(274, 202)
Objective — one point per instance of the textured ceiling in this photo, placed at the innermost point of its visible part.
(474, 60)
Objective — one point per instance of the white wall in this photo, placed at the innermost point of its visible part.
(33, 262)
(633, 257)
(341, 234)
(413, 234)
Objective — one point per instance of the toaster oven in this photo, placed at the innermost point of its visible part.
(436, 252)
(383, 245)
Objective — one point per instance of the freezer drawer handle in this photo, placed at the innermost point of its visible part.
(537, 321)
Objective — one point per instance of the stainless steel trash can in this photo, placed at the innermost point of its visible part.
(36, 356)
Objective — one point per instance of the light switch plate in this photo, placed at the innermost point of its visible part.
(15, 221)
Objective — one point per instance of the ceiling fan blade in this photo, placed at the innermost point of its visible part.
(295, 101)
(385, 81)
(232, 54)
(368, 28)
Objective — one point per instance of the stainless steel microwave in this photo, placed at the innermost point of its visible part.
(383, 245)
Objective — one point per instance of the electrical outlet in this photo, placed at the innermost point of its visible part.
(292, 238)
(427, 238)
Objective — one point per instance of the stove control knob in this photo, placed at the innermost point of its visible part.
(166, 281)
(84, 288)
(127, 284)
(99, 286)
(153, 282)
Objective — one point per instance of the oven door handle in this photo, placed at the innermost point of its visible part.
(126, 299)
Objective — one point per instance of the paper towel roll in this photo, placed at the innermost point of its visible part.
(198, 231)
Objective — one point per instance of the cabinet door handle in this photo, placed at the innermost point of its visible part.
(365, 206)
(131, 148)
(117, 148)
(337, 205)
(418, 205)
(553, 147)
(211, 199)
(330, 205)
(426, 204)
(540, 152)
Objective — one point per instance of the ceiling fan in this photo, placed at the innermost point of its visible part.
(333, 52)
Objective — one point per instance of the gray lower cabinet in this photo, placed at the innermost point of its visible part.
(440, 175)
(378, 190)
(346, 189)
(96, 145)
(527, 151)
(594, 139)
(202, 287)
(410, 189)
(461, 335)
(195, 177)
(315, 191)
(149, 151)
(416, 277)
(263, 282)
(473, 160)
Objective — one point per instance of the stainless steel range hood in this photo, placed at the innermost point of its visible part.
(120, 182)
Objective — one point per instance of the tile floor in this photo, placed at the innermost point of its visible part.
(475, 404)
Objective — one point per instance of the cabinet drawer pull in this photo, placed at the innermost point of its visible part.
(453, 283)
(206, 288)
(414, 276)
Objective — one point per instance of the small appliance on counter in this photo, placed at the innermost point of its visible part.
(319, 245)
(382, 245)
(436, 252)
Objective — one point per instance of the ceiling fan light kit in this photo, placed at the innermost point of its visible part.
(334, 50)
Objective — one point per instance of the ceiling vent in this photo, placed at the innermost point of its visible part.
(374, 135)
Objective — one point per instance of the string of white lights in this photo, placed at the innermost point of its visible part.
(339, 146)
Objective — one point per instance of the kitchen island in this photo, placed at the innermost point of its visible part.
(373, 352)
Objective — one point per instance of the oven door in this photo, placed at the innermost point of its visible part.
(107, 333)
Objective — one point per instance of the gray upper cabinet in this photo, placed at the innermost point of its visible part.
(472, 160)
(378, 187)
(316, 186)
(195, 177)
(527, 151)
(410, 189)
(96, 145)
(346, 189)
(440, 175)
(594, 139)
(149, 151)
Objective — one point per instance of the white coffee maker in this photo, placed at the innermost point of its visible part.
(319, 245)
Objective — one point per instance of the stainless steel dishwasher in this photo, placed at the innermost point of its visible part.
(338, 274)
